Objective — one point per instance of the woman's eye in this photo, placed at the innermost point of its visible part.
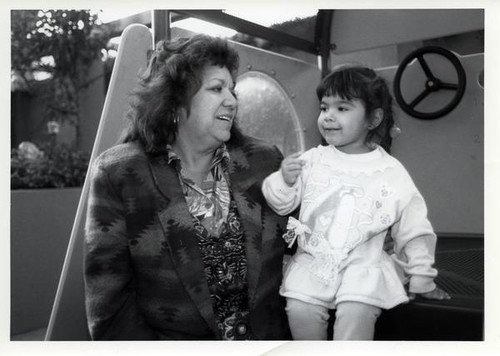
(217, 89)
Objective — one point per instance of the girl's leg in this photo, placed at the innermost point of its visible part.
(355, 321)
(307, 321)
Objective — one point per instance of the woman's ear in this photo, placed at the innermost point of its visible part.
(182, 113)
(378, 116)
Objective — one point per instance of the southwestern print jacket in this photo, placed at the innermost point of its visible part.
(144, 276)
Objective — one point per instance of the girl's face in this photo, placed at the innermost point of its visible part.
(343, 123)
(213, 108)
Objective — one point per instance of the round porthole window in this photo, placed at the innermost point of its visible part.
(266, 112)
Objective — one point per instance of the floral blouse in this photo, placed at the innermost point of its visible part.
(221, 241)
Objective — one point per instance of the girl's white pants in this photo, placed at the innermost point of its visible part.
(353, 320)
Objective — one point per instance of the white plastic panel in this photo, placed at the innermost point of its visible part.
(445, 156)
(356, 30)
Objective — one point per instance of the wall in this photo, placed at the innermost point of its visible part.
(41, 222)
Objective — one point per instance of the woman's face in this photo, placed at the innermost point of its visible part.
(213, 108)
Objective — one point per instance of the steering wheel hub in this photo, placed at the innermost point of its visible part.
(432, 84)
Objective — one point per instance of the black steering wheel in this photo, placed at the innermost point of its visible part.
(433, 83)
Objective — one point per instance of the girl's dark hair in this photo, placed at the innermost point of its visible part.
(171, 79)
(362, 83)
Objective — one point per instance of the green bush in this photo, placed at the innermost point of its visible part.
(47, 166)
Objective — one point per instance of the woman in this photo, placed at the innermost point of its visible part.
(180, 243)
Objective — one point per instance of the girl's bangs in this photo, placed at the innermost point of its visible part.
(340, 84)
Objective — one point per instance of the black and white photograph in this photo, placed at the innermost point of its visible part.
(295, 177)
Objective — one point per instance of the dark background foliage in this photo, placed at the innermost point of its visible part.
(60, 166)
(74, 38)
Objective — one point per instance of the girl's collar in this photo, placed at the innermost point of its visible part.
(374, 154)
(367, 164)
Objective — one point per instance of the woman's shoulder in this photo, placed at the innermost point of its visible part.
(122, 153)
(254, 146)
(254, 157)
(255, 142)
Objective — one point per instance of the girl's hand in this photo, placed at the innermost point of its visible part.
(291, 168)
(436, 294)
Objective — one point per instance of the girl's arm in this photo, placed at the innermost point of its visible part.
(415, 243)
(110, 296)
(281, 197)
(283, 188)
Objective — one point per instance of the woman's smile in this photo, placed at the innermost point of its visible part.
(228, 118)
(225, 117)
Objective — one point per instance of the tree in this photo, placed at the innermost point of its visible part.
(62, 44)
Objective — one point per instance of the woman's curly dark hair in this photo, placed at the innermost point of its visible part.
(353, 81)
(173, 76)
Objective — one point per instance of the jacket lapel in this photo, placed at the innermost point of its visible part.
(243, 182)
(181, 239)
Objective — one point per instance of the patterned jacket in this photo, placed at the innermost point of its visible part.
(144, 276)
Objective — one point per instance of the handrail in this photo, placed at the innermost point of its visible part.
(220, 18)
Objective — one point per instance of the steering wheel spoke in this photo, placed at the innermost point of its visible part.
(425, 67)
(449, 86)
(433, 83)
(419, 98)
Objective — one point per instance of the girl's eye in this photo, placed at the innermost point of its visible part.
(322, 108)
(343, 108)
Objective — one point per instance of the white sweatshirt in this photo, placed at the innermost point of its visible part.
(347, 204)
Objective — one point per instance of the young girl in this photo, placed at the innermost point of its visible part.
(351, 193)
